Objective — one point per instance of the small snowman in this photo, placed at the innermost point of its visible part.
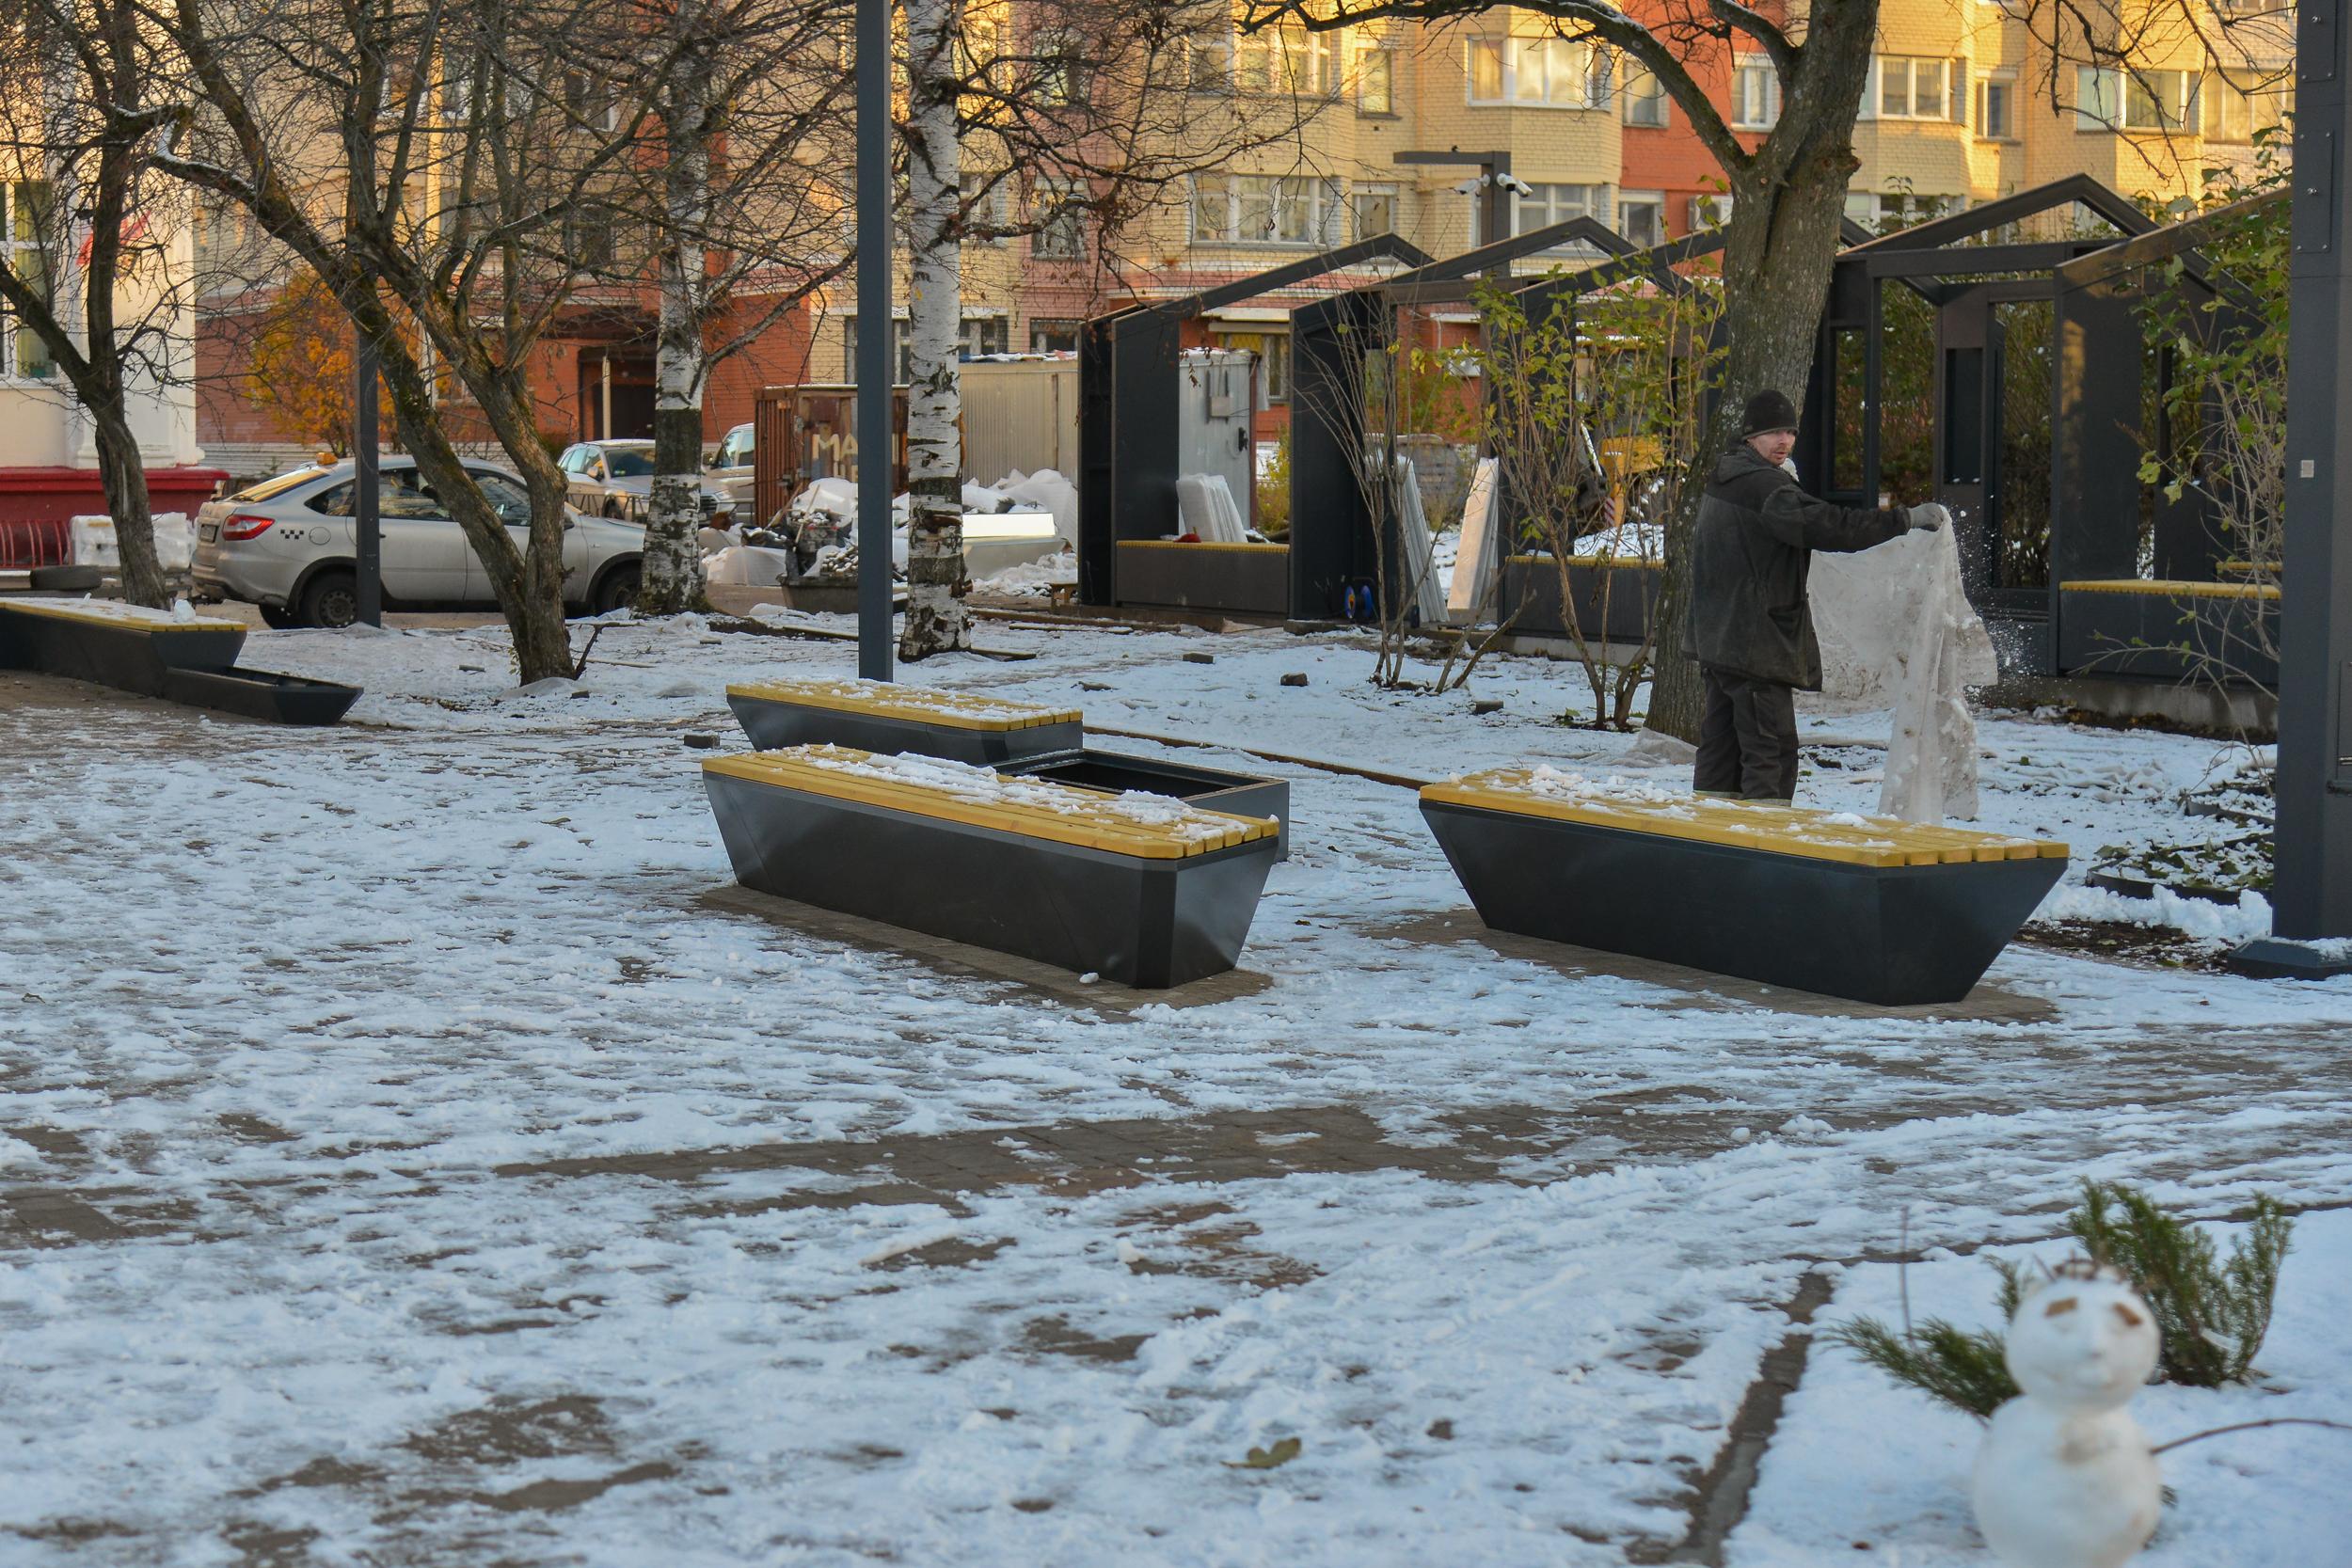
(2065, 1478)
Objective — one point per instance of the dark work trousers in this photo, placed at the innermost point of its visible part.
(1747, 738)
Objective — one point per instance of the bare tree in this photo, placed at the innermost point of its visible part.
(752, 96)
(473, 173)
(1077, 123)
(108, 297)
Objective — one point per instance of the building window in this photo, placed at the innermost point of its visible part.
(2238, 105)
(1911, 88)
(1711, 209)
(1054, 336)
(1996, 97)
(1551, 205)
(1754, 94)
(1291, 60)
(1557, 73)
(1375, 82)
(1273, 350)
(29, 216)
(1264, 208)
(902, 351)
(1884, 212)
(591, 100)
(1645, 101)
(984, 335)
(1061, 235)
(1212, 64)
(1642, 217)
(1376, 209)
(2154, 101)
(987, 209)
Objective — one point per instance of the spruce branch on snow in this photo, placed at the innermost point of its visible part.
(2213, 1315)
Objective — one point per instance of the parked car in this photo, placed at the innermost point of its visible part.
(731, 470)
(290, 546)
(614, 479)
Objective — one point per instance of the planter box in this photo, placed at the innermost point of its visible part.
(879, 716)
(1022, 866)
(1530, 587)
(112, 644)
(1243, 794)
(1885, 912)
(262, 694)
(147, 652)
(2174, 631)
(1248, 580)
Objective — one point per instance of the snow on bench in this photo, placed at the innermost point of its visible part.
(1844, 836)
(883, 715)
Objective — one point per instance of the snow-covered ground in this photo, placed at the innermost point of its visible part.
(420, 1153)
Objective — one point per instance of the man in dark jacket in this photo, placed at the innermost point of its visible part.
(1749, 626)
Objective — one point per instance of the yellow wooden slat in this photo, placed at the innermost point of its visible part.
(960, 710)
(2163, 589)
(1779, 829)
(117, 623)
(1075, 816)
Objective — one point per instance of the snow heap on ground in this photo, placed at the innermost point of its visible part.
(94, 542)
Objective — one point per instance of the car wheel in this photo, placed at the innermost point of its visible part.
(332, 600)
(279, 619)
(615, 590)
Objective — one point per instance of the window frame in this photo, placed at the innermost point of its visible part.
(1952, 92)
(1555, 208)
(1587, 62)
(1745, 68)
(1386, 73)
(2006, 81)
(21, 240)
(1625, 201)
(1062, 215)
(1628, 99)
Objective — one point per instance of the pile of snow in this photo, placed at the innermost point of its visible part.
(970, 782)
(1032, 578)
(747, 566)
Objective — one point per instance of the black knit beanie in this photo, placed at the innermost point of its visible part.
(1768, 411)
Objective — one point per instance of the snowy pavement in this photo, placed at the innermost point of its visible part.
(420, 1151)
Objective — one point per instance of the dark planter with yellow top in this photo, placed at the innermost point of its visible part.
(1043, 870)
(152, 655)
(1871, 909)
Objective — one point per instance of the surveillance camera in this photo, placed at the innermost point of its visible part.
(1514, 185)
(1471, 185)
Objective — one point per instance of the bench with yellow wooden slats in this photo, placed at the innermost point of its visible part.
(116, 616)
(1148, 891)
(882, 716)
(2168, 629)
(1869, 909)
(1033, 808)
(921, 704)
(1742, 824)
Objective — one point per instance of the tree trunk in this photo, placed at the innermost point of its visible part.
(1779, 252)
(125, 479)
(936, 621)
(672, 578)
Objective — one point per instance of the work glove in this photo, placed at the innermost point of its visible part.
(1930, 518)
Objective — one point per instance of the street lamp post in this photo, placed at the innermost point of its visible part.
(2311, 888)
(364, 480)
(875, 467)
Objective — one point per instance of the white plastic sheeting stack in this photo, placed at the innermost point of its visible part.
(1412, 527)
(1479, 561)
(1205, 507)
(1897, 628)
(93, 541)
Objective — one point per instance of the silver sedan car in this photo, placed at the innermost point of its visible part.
(290, 546)
(614, 479)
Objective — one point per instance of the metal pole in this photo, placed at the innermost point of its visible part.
(2312, 894)
(363, 483)
(875, 469)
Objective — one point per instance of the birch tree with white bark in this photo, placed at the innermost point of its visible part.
(936, 583)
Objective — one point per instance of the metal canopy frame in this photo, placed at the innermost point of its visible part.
(1331, 540)
(2095, 395)
(1127, 403)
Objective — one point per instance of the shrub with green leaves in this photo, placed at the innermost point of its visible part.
(2214, 1314)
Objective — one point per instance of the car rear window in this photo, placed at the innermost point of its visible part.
(627, 462)
(278, 486)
